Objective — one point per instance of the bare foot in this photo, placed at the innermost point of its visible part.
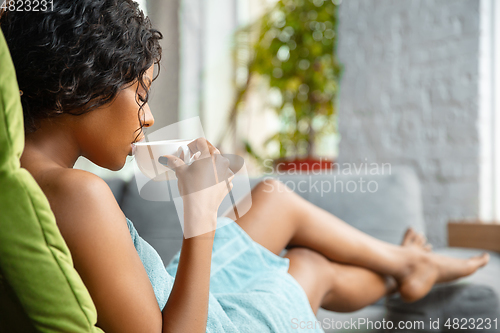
(452, 268)
(415, 239)
(426, 268)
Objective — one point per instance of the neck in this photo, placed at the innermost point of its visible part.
(53, 142)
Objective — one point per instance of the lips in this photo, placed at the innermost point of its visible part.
(142, 139)
(132, 145)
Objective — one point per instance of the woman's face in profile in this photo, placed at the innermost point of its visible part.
(106, 134)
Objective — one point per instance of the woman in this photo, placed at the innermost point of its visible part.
(85, 70)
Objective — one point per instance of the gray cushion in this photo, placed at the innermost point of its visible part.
(445, 303)
(117, 186)
(329, 319)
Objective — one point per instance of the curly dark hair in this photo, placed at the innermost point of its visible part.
(78, 56)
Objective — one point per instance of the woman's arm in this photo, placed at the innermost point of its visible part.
(96, 232)
(187, 307)
(202, 187)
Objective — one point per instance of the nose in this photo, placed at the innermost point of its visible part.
(149, 120)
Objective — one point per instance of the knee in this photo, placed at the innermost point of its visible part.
(317, 262)
(307, 257)
(271, 185)
(306, 262)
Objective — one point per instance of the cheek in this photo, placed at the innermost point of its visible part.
(106, 134)
(109, 139)
(126, 119)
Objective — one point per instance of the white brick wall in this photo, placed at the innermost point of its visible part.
(409, 96)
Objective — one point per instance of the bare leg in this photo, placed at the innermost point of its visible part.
(334, 286)
(280, 218)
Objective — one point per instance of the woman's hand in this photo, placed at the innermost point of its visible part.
(203, 185)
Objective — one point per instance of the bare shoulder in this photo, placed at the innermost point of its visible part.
(96, 232)
(81, 200)
(74, 186)
(65, 182)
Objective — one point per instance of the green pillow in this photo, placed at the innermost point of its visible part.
(37, 278)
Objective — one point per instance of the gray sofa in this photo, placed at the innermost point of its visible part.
(385, 214)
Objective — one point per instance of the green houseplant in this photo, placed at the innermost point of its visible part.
(292, 49)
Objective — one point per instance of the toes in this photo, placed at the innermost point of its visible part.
(474, 263)
(420, 239)
(408, 237)
(480, 260)
(483, 259)
(412, 238)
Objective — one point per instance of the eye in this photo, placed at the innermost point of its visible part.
(141, 98)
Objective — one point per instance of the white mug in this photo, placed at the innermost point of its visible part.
(147, 154)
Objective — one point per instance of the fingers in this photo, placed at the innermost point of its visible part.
(204, 146)
(231, 177)
(196, 156)
(201, 173)
(222, 167)
(171, 161)
(199, 146)
(230, 185)
(229, 174)
(211, 147)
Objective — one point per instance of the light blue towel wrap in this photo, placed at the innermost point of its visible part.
(250, 287)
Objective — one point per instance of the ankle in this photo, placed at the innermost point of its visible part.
(391, 286)
(409, 258)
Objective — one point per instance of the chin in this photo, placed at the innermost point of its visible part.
(118, 165)
(116, 168)
(114, 165)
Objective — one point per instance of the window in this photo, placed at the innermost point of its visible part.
(207, 70)
(489, 111)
